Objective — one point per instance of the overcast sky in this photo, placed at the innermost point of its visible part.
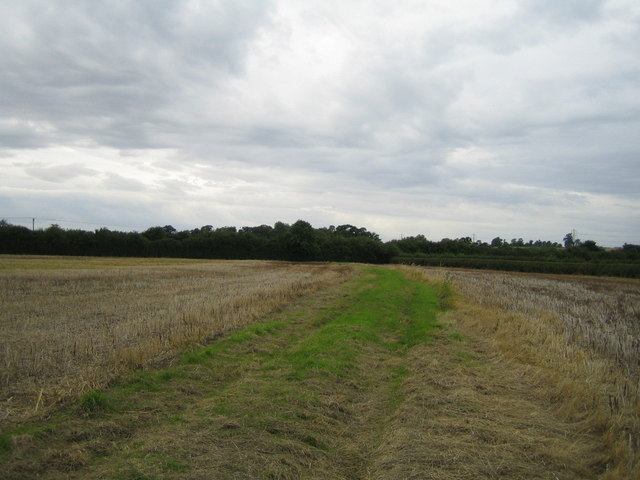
(448, 118)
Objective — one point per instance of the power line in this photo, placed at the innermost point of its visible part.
(33, 220)
(57, 220)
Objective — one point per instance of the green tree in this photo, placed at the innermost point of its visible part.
(569, 241)
(158, 233)
(301, 242)
(498, 242)
(591, 246)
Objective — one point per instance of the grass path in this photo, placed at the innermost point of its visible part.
(358, 381)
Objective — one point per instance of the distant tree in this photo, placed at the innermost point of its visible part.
(202, 230)
(416, 244)
(16, 239)
(166, 247)
(280, 228)
(498, 242)
(53, 240)
(301, 242)
(591, 245)
(153, 233)
(569, 241)
(264, 231)
(158, 233)
(631, 251)
(352, 231)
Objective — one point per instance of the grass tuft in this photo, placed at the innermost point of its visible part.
(5, 443)
(95, 401)
(446, 294)
(456, 336)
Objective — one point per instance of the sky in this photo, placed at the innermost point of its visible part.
(446, 118)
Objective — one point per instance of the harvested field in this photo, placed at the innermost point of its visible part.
(68, 329)
(367, 378)
(362, 380)
(582, 337)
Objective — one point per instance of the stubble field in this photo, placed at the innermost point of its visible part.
(70, 325)
(580, 336)
(315, 371)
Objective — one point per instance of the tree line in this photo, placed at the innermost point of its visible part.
(344, 243)
(297, 242)
(573, 257)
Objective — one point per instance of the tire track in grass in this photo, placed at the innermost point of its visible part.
(305, 393)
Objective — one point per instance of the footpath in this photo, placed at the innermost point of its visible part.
(364, 380)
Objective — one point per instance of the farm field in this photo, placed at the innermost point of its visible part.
(72, 324)
(53, 262)
(579, 336)
(360, 373)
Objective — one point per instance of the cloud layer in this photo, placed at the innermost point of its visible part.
(493, 117)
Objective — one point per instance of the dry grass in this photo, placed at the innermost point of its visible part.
(581, 336)
(467, 415)
(69, 330)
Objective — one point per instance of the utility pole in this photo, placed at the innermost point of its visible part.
(33, 224)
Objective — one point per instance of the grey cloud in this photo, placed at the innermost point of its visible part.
(548, 89)
(13, 139)
(60, 173)
(503, 194)
(564, 12)
(534, 22)
(21, 133)
(598, 158)
(113, 72)
(113, 181)
(177, 188)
